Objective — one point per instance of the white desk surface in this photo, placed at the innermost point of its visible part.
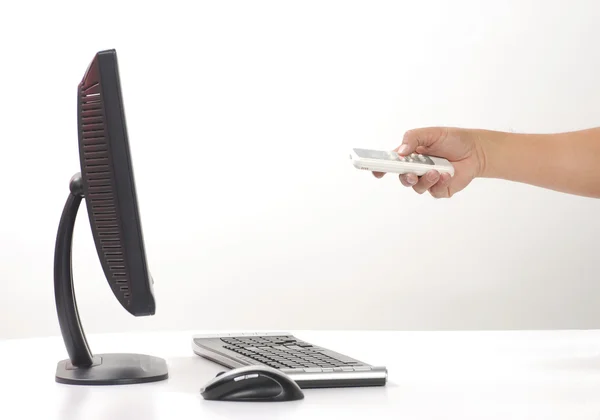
(432, 375)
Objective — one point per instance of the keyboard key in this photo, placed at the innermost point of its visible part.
(313, 370)
(294, 347)
(341, 358)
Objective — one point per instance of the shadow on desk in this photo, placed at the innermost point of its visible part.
(588, 363)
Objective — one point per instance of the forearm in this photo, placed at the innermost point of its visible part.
(566, 162)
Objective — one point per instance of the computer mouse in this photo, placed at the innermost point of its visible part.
(252, 383)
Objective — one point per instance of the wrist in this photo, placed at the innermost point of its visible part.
(490, 146)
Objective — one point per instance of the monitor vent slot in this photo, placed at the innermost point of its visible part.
(99, 188)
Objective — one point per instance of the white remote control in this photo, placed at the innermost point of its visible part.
(389, 161)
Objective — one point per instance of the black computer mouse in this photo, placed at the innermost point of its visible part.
(252, 383)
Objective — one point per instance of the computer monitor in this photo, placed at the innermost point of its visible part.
(107, 183)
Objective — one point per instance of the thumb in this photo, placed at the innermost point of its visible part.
(420, 137)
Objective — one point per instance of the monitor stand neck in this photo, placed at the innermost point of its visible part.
(82, 367)
(64, 295)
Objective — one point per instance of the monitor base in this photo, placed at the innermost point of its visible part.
(113, 369)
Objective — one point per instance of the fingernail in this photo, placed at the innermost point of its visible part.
(411, 179)
(403, 149)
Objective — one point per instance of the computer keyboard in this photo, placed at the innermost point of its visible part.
(311, 366)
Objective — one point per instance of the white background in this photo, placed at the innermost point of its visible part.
(240, 116)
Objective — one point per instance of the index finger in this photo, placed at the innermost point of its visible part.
(424, 137)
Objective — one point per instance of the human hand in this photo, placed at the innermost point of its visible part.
(462, 147)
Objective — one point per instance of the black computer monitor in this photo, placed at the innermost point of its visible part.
(107, 183)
